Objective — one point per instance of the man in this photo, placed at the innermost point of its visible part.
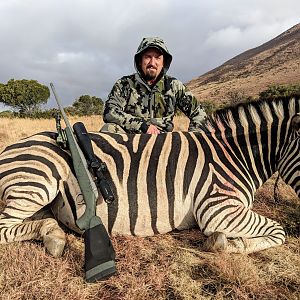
(145, 102)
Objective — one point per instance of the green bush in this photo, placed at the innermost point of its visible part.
(280, 91)
(236, 97)
(7, 114)
(87, 105)
(210, 106)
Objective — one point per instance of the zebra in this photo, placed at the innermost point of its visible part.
(161, 182)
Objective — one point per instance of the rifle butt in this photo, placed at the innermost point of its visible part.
(99, 252)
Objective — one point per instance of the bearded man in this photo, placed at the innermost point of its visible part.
(146, 101)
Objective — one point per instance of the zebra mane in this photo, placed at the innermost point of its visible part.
(258, 111)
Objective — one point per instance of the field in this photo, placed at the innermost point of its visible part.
(171, 266)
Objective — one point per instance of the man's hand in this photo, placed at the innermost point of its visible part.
(153, 129)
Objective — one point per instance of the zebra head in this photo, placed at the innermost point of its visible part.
(289, 162)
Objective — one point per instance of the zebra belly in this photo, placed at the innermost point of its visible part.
(123, 220)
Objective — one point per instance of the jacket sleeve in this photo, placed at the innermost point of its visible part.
(114, 111)
(190, 106)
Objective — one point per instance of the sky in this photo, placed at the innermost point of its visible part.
(84, 46)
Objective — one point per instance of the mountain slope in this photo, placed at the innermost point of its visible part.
(249, 73)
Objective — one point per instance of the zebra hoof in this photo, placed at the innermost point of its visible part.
(54, 244)
(217, 242)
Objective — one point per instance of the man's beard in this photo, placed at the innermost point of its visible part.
(150, 74)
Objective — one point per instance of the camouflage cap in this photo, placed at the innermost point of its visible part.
(153, 42)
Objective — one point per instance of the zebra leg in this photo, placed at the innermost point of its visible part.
(241, 231)
(17, 223)
(53, 236)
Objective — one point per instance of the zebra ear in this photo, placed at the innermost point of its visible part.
(295, 122)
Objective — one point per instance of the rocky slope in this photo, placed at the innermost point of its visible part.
(275, 62)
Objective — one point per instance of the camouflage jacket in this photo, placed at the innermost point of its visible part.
(134, 105)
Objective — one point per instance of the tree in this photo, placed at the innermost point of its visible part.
(26, 96)
(87, 105)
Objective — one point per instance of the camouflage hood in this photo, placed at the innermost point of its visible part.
(152, 42)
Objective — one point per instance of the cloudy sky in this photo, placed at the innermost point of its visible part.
(84, 46)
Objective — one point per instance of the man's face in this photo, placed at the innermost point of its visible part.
(152, 63)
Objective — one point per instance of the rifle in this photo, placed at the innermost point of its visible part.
(99, 251)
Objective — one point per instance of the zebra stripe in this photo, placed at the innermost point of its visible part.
(162, 182)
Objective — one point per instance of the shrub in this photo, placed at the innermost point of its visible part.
(7, 114)
(280, 91)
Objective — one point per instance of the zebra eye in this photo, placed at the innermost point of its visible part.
(295, 123)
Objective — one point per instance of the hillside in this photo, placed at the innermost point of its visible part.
(274, 62)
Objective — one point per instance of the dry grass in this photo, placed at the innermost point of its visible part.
(12, 130)
(170, 266)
